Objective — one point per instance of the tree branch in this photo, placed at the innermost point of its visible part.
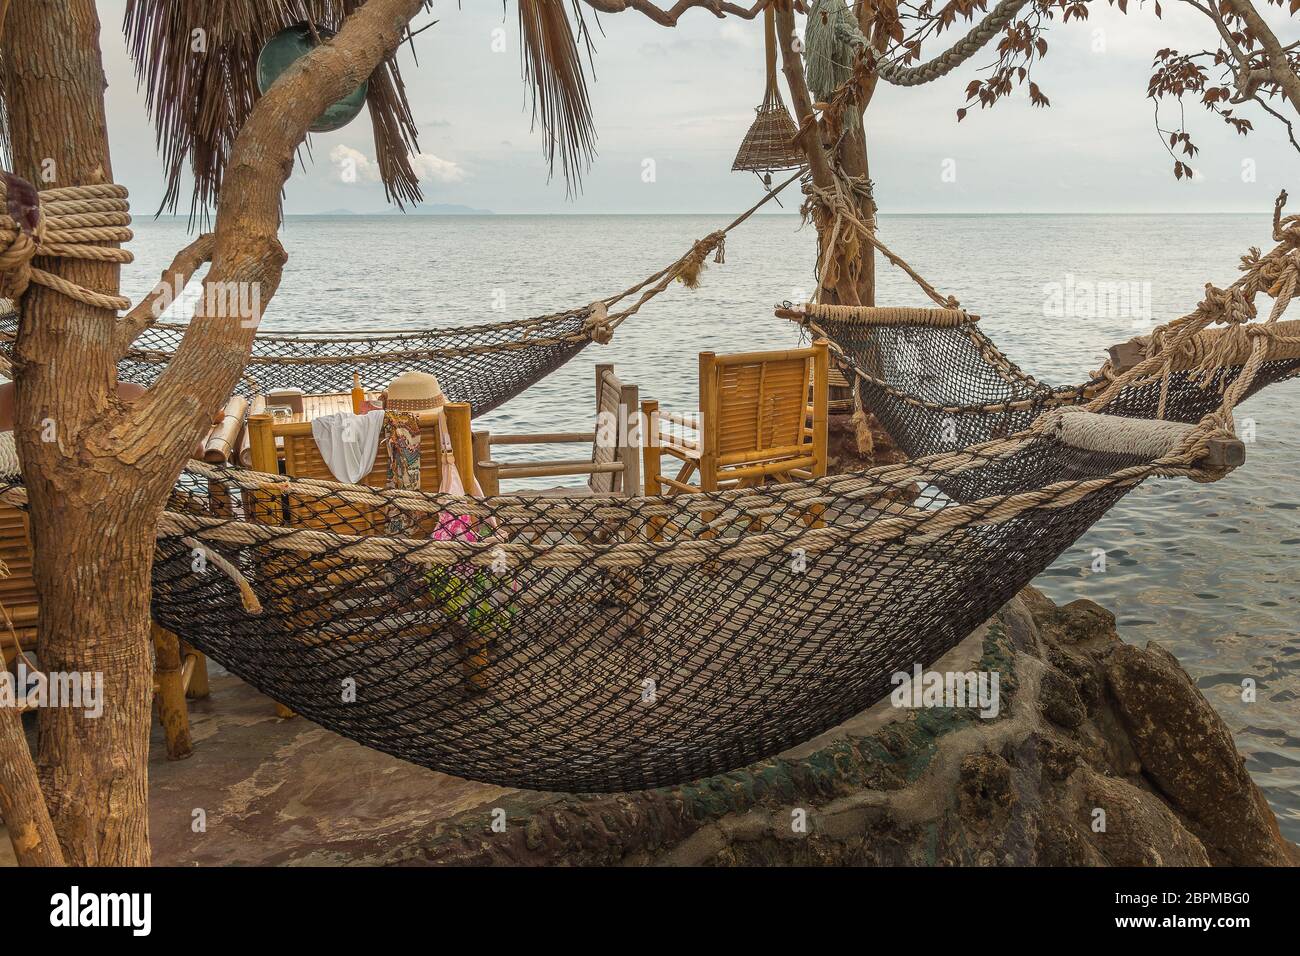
(896, 74)
(1274, 54)
(26, 815)
(809, 139)
(669, 17)
(1290, 130)
(247, 258)
(174, 279)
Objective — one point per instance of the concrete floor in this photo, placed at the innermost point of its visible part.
(284, 791)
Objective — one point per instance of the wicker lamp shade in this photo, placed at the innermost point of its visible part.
(769, 144)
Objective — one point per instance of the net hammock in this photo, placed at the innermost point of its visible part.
(482, 365)
(610, 644)
(935, 381)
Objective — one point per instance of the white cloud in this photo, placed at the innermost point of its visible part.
(430, 167)
(354, 166)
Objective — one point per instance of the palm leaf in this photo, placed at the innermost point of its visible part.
(200, 98)
(553, 67)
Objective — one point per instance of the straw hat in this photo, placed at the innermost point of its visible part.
(414, 392)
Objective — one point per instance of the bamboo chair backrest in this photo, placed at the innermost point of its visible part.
(302, 459)
(754, 408)
(616, 409)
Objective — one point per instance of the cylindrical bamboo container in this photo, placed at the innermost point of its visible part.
(221, 441)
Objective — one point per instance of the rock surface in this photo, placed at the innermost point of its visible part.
(1189, 756)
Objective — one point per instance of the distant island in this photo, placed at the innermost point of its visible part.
(445, 209)
(426, 209)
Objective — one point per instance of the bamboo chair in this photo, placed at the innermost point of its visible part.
(840, 400)
(614, 467)
(179, 670)
(755, 424)
(302, 459)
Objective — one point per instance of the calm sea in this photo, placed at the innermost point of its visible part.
(1207, 570)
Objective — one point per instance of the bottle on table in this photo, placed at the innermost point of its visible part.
(358, 394)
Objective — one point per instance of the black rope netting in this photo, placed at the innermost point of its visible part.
(483, 365)
(598, 645)
(936, 389)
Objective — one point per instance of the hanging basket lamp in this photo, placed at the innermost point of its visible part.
(769, 144)
(288, 47)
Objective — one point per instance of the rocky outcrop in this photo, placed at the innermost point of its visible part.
(1189, 756)
(1102, 754)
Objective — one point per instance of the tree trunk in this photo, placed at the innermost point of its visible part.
(22, 805)
(91, 517)
(849, 271)
(860, 286)
(97, 470)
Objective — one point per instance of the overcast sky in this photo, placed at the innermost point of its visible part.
(684, 97)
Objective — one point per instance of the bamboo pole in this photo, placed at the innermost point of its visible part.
(169, 691)
(543, 438)
(552, 469)
(651, 447)
(482, 445)
(821, 397)
(628, 401)
(709, 410)
(197, 687)
(602, 369)
(651, 454)
(264, 507)
(261, 433)
(462, 441)
(258, 407)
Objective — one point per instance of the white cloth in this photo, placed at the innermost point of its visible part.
(348, 442)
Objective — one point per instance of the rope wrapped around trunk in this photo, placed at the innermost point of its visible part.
(71, 222)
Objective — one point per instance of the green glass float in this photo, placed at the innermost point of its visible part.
(288, 47)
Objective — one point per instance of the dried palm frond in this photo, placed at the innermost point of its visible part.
(553, 66)
(197, 60)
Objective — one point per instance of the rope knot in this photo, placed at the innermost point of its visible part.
(1231, 306)
(21, 247)
(1285, 228)
(692, 264)
(1215, 425)
(598, 325)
